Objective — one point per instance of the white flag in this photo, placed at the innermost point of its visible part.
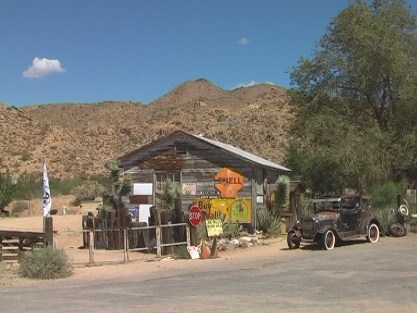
(46, 194)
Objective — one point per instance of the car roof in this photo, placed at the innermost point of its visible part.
(326, 199)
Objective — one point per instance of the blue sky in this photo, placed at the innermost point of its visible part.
(94, 50)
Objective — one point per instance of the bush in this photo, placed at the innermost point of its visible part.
(385, 216)
(88, 190)
(181, 252)
(19, 206)
(45, 263)
(232, 230)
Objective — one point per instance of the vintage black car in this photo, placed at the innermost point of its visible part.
(335, 219)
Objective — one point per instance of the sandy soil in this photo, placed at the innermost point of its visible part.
(68, 230)
(164, 266)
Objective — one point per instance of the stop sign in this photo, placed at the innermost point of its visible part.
(195, 216)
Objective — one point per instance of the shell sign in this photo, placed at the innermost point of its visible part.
(228, 182)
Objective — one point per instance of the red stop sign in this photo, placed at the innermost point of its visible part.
(195, 216)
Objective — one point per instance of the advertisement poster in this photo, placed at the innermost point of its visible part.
(233, 210)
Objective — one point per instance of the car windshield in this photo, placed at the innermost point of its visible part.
(326, 204)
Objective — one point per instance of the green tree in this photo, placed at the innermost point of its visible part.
(8, 191)
(356, 98)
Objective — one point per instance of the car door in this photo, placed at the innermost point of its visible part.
(350, 216)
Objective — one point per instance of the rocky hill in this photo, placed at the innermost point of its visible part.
(78, 139)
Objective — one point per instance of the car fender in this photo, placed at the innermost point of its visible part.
(323, 229)
(296, 231)
(368, 221)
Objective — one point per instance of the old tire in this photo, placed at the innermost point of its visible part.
(328, 240)
(397, 230)
(373, 233)
(293, 240)
(403, 210)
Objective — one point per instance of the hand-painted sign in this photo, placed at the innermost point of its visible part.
(232, 210)
(214, 227)
(228, 182)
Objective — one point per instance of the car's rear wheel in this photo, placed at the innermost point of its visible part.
(328, 240)
(293, 240)
(373, 233)
(397, 230)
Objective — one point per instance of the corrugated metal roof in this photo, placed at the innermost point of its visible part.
(243, 154)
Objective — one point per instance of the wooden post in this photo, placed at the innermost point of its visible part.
(188, 234)
(158, 241)
(1, 249)
(193, 235)
(125, 245)
(213, 253)
(49, 231)
(91, 247)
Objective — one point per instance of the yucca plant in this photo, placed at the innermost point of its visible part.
(283, 191)
(170, 192)
(267, 222)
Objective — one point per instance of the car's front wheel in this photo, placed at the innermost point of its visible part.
(373, 233)
(293, 240)
(328, 240)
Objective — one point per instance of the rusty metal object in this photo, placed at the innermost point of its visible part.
(335, 218)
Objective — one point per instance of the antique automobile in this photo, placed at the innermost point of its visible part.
(335, 219)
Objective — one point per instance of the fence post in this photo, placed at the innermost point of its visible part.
(91, 247)
(125, 245)
(49, 231)
(187, 230)
(158, 240)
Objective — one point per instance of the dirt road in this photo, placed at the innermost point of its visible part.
(358, 277)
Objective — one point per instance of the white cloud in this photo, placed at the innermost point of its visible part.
(252, 83)
(42, 66)
(243, 41)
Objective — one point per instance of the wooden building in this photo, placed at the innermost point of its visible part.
(217, 177)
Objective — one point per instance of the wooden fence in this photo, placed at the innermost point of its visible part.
(13, 243)
(157, 238)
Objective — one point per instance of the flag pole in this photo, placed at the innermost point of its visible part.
(46, 195)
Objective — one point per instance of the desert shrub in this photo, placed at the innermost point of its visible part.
(180, 252)
(88, 190)
(19, 206)
(25, 156)
(232, 230)
(385, 216)
(75, 202)
(45, 263)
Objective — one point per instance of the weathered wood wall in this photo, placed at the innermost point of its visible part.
(187, 160)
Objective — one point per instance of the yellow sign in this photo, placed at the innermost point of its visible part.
(228, 182)
(214, 227)
(233, 210)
